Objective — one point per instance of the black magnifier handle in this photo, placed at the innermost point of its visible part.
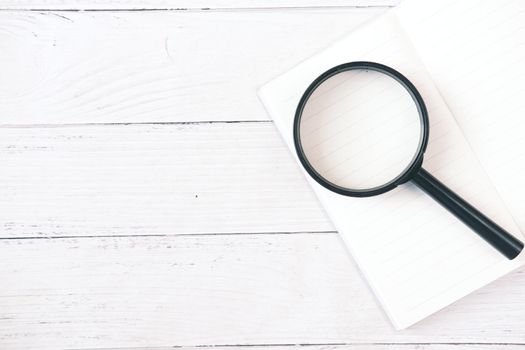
(500, 239)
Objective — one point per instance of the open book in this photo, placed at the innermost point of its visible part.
(467, 59)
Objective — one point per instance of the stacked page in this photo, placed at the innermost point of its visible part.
(416, 256)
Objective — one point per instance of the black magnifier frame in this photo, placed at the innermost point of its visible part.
(496, 236)
(414, 164)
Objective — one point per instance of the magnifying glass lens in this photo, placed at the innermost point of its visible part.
(360, 129)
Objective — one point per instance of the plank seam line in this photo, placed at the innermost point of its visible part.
(204, 234)
(67, 125)
(304, 345)
(205, 9)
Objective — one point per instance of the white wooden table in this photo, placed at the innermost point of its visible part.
(146, 201)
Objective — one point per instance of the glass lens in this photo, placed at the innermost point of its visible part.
(360, 129)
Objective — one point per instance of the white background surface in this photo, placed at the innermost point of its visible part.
(147, 202)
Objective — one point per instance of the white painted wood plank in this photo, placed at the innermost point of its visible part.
(78, 67)
(222, 289)
(186, 4)
(152, 179)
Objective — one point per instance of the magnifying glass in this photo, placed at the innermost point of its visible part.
(361, 129)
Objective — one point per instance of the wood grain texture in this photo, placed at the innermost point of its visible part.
(221, 289)
(152, 179)
(106, 67)
(186, 4)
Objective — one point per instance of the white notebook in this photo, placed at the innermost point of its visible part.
(467, 59)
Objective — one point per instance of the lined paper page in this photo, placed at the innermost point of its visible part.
(477, 61)
(416, 256)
